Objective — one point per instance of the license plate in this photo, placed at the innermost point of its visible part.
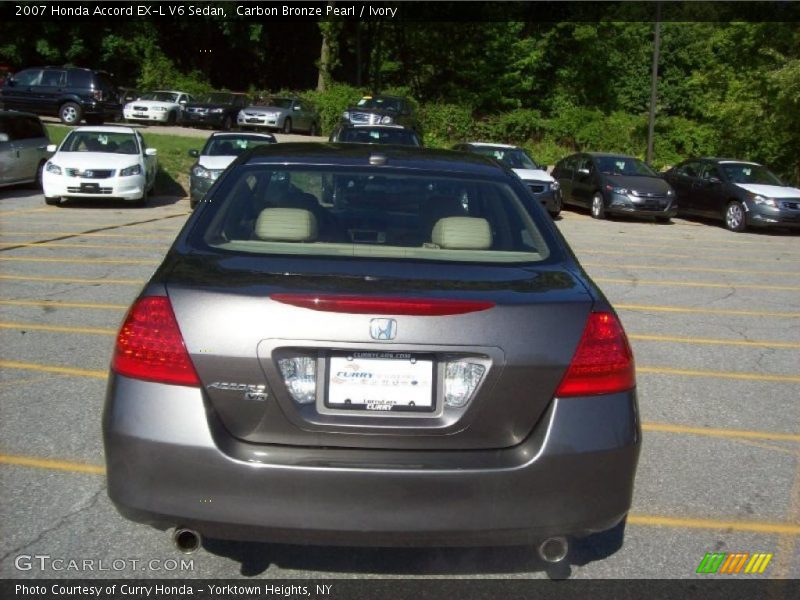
(381, 382)
(139, 115)
(90, 188)
(253, 120)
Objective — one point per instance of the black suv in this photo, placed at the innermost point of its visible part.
(218, 109)
(71, 93)
(383, 110)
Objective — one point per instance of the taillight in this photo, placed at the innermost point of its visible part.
(603, 362)
(150, 345)
(367, 305)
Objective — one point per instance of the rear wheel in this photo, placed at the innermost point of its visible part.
(37, 183)
(287, 125)
(734, 217)
(313, 131)
(226, 124)
(172, 118)
(598, 208)
(70, 113)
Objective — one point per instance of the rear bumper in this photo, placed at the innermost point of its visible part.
(170, 462)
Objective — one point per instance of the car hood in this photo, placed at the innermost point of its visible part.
(151, 104)
(208, 106)
(215, 162)
(264, 109)
(770, 191)
(651, 185)
(94, 160)
(533, 175)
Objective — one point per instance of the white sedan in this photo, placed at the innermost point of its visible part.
(108, 162)
(160, 107)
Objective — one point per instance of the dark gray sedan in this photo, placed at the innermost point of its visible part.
(352, 344)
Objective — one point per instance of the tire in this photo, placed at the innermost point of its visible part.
(557, 211)
(287, 125)
(172, 118)
(36, 184)
(735, 219)
(70, 113)
(663, 220)
(598, 207)
(192, 203)
(54, 201)
(141, 202)
(313, 131)
(226, 124)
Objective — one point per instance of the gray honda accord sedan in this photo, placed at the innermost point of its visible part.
(383, 346)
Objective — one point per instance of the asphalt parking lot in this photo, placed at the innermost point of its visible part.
(714, 319)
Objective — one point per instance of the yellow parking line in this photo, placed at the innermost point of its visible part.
(72, 280)
(60, 304)
(705, 284)
(719, 374)
(687, 523)
(710, 341)
(81, 234)
(721, 433)
(680, 244)
(13, 364)
(46, 463)
(707, 311)
(689, 269)
(58, 328)
(575, 246)
(46, 245)
(12, 213)
(78, 260)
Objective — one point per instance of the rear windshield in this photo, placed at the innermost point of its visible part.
(100, 141)
(624, 165)
(511, 157)
(233, 145)
(266, 209)
(378, 135)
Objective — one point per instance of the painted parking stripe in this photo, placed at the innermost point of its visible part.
(82, 261)
(685, 269)
(721, 433)
(677, 247)
(633, 518)
(81, 234)
(706, 311)
(702, 284)
(58, 328)
(718, 374)
(46, 245)
(25, 366)
(72, 280)
(669, 339)
(706, 258)
(63, 304)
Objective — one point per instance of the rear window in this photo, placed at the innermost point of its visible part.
(79, 79)
(265, 209)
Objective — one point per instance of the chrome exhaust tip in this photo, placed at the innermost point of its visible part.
(554, 549)
(186, 540)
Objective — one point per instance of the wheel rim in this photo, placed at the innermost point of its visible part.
(68, 113)
(597, 206)
(734, 216)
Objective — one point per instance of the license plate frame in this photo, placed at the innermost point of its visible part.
(384, 367)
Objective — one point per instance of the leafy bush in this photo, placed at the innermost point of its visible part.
(332, 102)
(159, 72)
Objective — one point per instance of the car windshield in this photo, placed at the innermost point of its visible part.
(750, 173)
(378, 135)
(233, 145)
(278, 102)
(264, 209)
(112, 142)
(511, 157)
(216, 98)
(624, 165)
(384, 103)
(160, 97)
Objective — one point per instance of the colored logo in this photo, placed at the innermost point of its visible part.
(733, 563)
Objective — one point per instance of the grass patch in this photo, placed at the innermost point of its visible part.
(174, 161)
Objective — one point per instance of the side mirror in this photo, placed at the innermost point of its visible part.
(183, 102)
(297, 107)
(194, 153)
(714, 180)
(3, 137)
(51, 147)
(150, 151)
(583, 171)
